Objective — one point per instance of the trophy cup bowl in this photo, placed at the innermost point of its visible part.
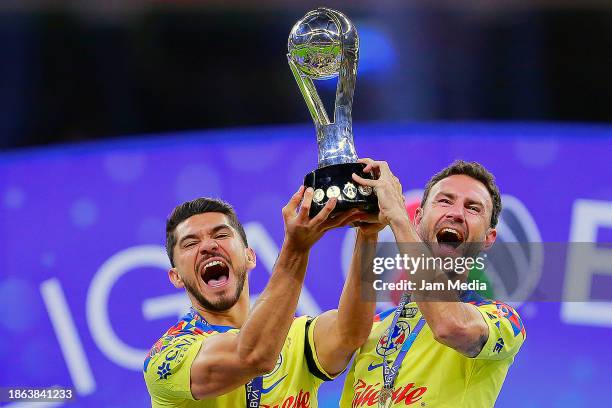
(316, 47)
(322, 45)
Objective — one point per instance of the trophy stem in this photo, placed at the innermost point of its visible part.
(335, 143)
(309, 92)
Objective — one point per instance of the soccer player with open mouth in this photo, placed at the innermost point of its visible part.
(225, 353)
(438, 348)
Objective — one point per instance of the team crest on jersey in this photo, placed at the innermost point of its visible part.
(398, 336)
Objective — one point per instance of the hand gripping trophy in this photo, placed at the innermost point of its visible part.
(323, 44)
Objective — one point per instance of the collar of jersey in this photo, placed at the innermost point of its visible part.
(218, 328)
(221, 329)
(468, 296)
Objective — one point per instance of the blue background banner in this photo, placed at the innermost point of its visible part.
(84, 291)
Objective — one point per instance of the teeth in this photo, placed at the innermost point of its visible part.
(213, 263)
(452, 231)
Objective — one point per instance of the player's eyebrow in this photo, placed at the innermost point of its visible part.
(446, 194)
(468, 200)
(213, 230)
(220, 227)
(472, 201)
(186, 237)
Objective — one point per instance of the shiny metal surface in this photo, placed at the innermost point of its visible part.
(324, 44)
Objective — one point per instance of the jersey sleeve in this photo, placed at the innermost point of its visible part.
(314, 365)
(506, 331)
(168, 371)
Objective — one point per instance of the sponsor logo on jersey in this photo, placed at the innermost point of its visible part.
(366, 395)
(373, 366)
(270, 388)
(300, 400)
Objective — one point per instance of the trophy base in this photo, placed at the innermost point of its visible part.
(336, 181)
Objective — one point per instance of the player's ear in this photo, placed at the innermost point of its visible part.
(490, 238)
(175, 278)
(418, 215)
(251, 258)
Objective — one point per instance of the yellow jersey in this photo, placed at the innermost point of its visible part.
(432, 374)
(293, 383)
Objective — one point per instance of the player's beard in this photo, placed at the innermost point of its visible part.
(224, 302)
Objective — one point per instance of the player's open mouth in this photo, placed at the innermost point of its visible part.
(450, 237)
(215, 272)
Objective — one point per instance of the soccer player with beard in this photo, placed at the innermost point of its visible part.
(444, 348)
(222, 353)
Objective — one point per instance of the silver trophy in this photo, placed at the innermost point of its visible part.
(322, 45)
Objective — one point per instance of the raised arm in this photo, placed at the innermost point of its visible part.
(456, 324)
(338, 333)
(226, 361)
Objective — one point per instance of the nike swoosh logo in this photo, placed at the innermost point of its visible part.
(270, 388)
(374, 366)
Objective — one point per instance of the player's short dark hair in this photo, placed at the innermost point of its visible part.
(476, 171)
(199, 206)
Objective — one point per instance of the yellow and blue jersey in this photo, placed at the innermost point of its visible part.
(432, 374)
(293, 382)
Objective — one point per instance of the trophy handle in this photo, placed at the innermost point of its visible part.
(309, 92)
